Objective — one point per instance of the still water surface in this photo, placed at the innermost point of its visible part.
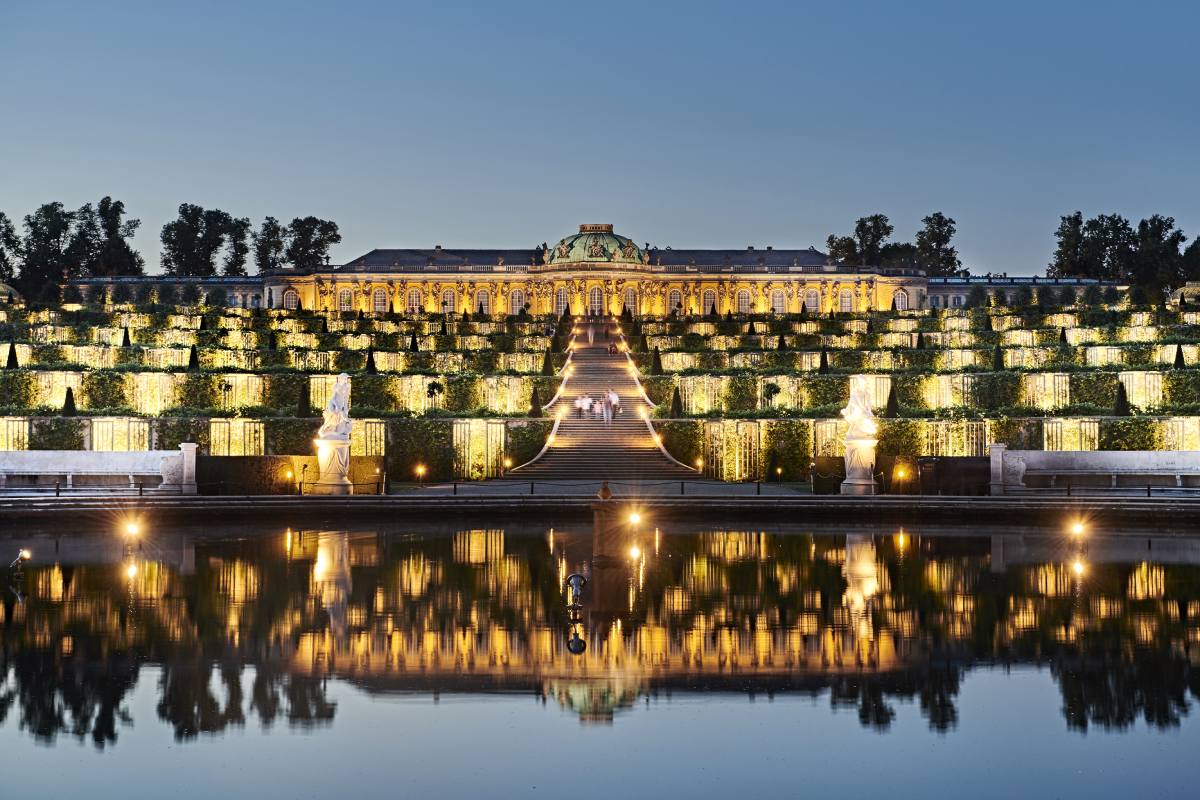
(436, 661)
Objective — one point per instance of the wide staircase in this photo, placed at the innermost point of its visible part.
(584, 447)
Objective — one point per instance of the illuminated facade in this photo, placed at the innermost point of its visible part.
(595, 271)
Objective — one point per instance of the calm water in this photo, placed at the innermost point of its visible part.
(436, 661)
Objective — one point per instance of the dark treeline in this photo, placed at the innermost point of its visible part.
(1150, 255)
(54, 244)
(930, 250)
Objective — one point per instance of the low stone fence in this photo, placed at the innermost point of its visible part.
(162, 470)
(1016, 471)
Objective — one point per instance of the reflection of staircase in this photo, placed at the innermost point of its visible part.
(587, 449)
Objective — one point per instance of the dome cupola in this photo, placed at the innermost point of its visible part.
(595, 244)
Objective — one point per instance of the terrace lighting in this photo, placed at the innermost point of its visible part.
(1077, 528)
(1077, 567)
(779, 470)
(131, 529)
(420, 470)
(635, 518)
(699, 463)
(508, 463)
(131, 571)
(635, 552)
(901, 473)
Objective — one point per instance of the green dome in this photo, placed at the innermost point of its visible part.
(596, 244)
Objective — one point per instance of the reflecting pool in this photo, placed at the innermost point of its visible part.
(611, 659)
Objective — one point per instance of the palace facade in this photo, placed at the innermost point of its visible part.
(596, 271)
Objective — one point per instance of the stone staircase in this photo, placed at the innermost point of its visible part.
(587, 449)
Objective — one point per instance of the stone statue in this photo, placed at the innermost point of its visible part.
(860, 440)
(333, 442)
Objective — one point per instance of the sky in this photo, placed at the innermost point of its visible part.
(698, 124)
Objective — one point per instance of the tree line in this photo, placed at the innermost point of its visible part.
(56, 244)
(931, 249)
(1150, 255)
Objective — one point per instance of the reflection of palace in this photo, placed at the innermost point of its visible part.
(866, 618)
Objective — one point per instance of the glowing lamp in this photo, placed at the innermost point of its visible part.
(635, 518)
(131, 571)
(1077, 528)
(1077, 567)
(131, 528)
(635, 552)
(25, 555)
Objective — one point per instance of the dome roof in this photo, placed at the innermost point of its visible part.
(596, 244)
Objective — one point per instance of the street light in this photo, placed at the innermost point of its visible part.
(1077, 528)
(635, 518)
(420, 470)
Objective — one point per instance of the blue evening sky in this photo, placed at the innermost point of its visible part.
(685, 124)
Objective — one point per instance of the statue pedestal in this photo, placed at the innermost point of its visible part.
(860, 467)
(333, 460)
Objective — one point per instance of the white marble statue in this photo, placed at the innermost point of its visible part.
(333, 442)
(860, 440)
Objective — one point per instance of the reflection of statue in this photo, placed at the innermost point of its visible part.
(333, 442)
(860, 440)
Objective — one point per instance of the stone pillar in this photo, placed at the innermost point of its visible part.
(333, 461)
(860, 467)
(996, 453)
(187, 480)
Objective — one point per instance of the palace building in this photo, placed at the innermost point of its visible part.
(597, 271)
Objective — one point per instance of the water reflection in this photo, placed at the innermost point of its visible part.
(593, 620)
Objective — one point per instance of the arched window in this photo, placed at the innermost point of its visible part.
(846, 300)
(448, 302)
(743, 301)
(674, 299)
(379, 301)
(345, 300)
(812, 300)
(778, 302)
(710, 302)
(596, 300)
(516, 301)
(291, 299)
(900, 298)
(483, 302)
(414, 301)
(631, 303)
(560, 302)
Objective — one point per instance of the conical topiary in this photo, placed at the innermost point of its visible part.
(920, 340)
(535, 404)
(750, 331)
(782, 343)
(68, 407)
(997, 359)
(369, 366)
(1121, 406)
(324, 325)
(412, 343)
(823, 364)
(892, 410)
(444, 331)
(203, 326)
(656, 363)
(803, 310)
(193, 360)
(12, 362)
(676, 404)
(125, 337)
(548, 363)
(1062, 335)
(303, 400)
(1179, 362)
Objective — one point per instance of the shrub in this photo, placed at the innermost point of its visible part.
(1131, 434)
(104, 389)
(59, 433)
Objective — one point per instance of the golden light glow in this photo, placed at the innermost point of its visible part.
(901, 540)
(1077, 567)
(635, 552)
(699, 463)
(131, 528)
(508, 463)
(289, 474)
(131, 571)
(1077, 528)
(26, 555)
(420, 470)
(901, 473)
(779, 470)
(635, 518)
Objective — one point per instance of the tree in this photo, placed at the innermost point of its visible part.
(235, 255)
(413, 346)
(1190, 262)
(870, 233)
(116, 256)
(1067, 296)
(1121, 405)
(892, 409)
(68, 406)
(656, 367)
(676, 404)
(369, 365)
(192, 241)
(997, 359)
(309, 240)
(303, 399)
(269, 245)
(823, 363)
(899, 254)
(1156, 261)
(934, 252)
(1068, 254)
(46, 249)
(10, 249)
(535, 404)
(1102, 247)
(547, 363)
(977, 297)
(842, 249)
(1179, 362)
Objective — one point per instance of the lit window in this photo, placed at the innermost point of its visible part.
(483, 302)
(674, 300)
(414, 301)
(812, 300)
(710, 302)
(743, 302)
(560, 302)
(631, 303)
(379, 301)
(900, 298)
(778, 302)
(291, 299)
(846, 300)
(345, 300)
(516, 301)
(596, 300)
(448, 301)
